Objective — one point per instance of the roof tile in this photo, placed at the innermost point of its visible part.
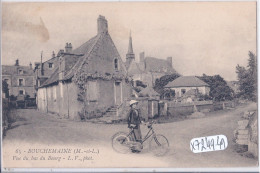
(186, 81)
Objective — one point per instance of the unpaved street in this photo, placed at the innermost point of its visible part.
(37, 130)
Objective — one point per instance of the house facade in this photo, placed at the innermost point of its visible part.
(20, 79)
(148, 69)
(87, 80)
(188, 84)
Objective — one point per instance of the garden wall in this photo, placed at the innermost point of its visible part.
(181, 109)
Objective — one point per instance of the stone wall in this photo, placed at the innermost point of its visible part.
(247, 132)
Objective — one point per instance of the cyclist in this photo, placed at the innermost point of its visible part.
(134, 121)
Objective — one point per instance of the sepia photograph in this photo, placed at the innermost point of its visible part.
(129, 85)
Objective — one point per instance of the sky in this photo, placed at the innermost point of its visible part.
(201, 37)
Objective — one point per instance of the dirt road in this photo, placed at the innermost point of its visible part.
(35, 130)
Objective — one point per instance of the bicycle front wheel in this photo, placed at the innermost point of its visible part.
(159, 145)
(120, 142)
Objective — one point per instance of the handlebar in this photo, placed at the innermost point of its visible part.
(149, 124)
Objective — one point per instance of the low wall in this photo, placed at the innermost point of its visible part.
(247, 132)
(148, 108)
(181, 109)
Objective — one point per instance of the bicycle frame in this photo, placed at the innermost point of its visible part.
(147, 136)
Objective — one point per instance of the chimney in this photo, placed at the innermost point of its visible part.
(68, 48)
(30, 65)
(102, 25)
(141, 57)
(17, 62)
(169, 59)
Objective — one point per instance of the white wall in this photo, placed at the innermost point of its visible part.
(203, 90)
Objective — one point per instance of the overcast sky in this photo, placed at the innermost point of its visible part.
(202, 37)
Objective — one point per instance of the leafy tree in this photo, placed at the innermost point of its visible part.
(5, 88)
(219, 90)
(141, 84)
(168, 94)
(247, 78)
(164, 80)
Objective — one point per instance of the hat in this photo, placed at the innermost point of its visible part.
(133, 102)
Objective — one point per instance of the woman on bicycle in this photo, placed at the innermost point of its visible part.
(134, 121)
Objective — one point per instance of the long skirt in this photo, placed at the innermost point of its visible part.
(137, 135)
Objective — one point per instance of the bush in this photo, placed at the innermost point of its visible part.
(219, 90)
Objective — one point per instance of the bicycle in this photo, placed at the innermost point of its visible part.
(122, 142)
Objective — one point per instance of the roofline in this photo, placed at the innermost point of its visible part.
(55, 82)
(185, 86)
(16, 66)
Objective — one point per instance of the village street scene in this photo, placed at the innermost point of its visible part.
(106, 96)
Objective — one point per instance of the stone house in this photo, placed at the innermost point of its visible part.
(87, 80)
(20, 79)
(148, 69)
(184, 84)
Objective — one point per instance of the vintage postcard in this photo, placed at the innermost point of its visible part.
(129, 85)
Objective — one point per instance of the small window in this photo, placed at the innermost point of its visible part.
(50, 65)
(21, 92)
(116, 64)
(20, 71)
(172, 93)
(183, 91)
(21, 82)
(117, 83)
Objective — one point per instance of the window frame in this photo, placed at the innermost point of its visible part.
(22, 91)
(51, 65)
(23, 82)
(116, 64)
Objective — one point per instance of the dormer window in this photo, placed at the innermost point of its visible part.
(116, 64)
(20, 71)
(50, 65)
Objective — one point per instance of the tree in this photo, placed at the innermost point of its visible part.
(5, 88)
(164, 80)
(219, 90)
(247, 79)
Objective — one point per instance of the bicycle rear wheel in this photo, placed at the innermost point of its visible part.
(159, 145)
(120, 142)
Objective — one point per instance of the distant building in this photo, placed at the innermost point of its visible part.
(186, 85)
(100, 71)
(148, 69)
(20, 79)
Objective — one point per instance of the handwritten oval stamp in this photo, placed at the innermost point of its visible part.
(208, 143)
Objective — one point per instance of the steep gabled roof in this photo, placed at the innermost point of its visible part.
(158, 65)
(73, 61)
(85, 50)
(186, 81)
(134, 69)
(149, 91)
(12, 69)
(53, 78)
